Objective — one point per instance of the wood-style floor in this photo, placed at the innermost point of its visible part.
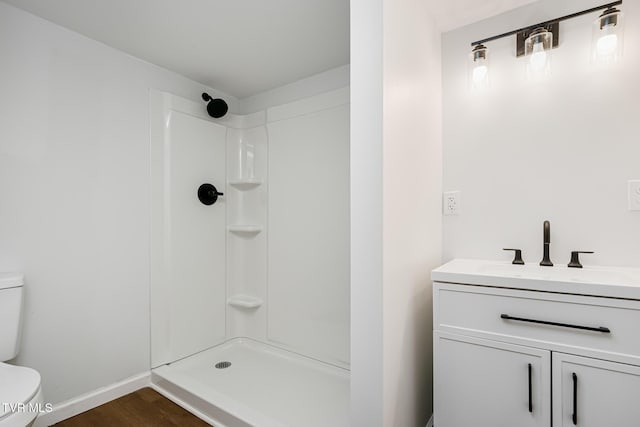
(142, 408)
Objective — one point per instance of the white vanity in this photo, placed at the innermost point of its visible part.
(524, 345)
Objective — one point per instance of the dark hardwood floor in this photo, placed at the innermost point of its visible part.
(142, 408)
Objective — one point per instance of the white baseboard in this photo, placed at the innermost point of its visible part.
(95, 398)
(430, 423)
(186, 406)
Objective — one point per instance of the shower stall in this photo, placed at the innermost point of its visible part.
(250, 293)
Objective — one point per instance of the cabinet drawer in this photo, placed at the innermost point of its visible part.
(474, 310)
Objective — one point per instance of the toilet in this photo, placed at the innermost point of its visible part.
(20, 393)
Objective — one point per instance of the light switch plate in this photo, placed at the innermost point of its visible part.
(634, 195)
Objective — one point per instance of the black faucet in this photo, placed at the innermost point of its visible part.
(546, 228)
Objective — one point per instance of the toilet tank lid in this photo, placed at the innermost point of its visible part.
(11, 280)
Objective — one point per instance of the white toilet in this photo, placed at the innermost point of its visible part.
(20, 393)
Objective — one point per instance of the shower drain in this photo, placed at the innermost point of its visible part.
(223, 365)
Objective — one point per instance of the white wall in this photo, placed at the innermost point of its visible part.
(412, 186)
(396, 221)
(74, 200)
(366, 213)
(560, 150)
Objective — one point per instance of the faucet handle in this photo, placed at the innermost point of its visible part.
(575, 260)
(518, 256)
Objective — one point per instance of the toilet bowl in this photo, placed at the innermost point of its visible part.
(20, 394)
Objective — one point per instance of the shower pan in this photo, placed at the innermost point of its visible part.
(250, 261)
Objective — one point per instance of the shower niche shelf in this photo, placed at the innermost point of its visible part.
(244, 301)
(245, 184)
(245, 229)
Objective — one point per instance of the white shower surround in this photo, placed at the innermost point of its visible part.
(286, 264)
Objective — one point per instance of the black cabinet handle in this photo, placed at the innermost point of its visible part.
(574, 417)
(564, 325)
(530, 397)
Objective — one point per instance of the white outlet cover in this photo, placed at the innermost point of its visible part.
(634, 195)
(451, 203)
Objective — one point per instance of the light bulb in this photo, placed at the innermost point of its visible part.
(538, 58)
(608, 42)
(479, 73)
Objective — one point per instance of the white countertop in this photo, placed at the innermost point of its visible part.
(615, 282)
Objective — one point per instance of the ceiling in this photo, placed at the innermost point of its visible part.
(451, 14)
(241, 47)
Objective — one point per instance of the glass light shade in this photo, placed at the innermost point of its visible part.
(606, 47)
(479, 68)
(537, 49)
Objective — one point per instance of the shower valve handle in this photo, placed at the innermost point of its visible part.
(208, 194)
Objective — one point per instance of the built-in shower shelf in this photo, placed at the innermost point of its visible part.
(244, 301)
(245, 184)
(245, 229)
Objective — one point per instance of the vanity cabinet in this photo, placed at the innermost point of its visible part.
(507, 357)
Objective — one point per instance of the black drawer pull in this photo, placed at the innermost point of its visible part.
(530, 397)
(564, 325)
(574, 416)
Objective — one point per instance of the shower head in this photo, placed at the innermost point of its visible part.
(215, 107)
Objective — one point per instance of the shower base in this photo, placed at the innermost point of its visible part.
(263, 386)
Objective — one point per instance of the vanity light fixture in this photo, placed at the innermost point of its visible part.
(536, 42)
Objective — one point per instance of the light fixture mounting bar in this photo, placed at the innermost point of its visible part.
(548, 23)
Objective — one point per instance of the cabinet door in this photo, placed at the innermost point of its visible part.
(601, 393)
(483, 383)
